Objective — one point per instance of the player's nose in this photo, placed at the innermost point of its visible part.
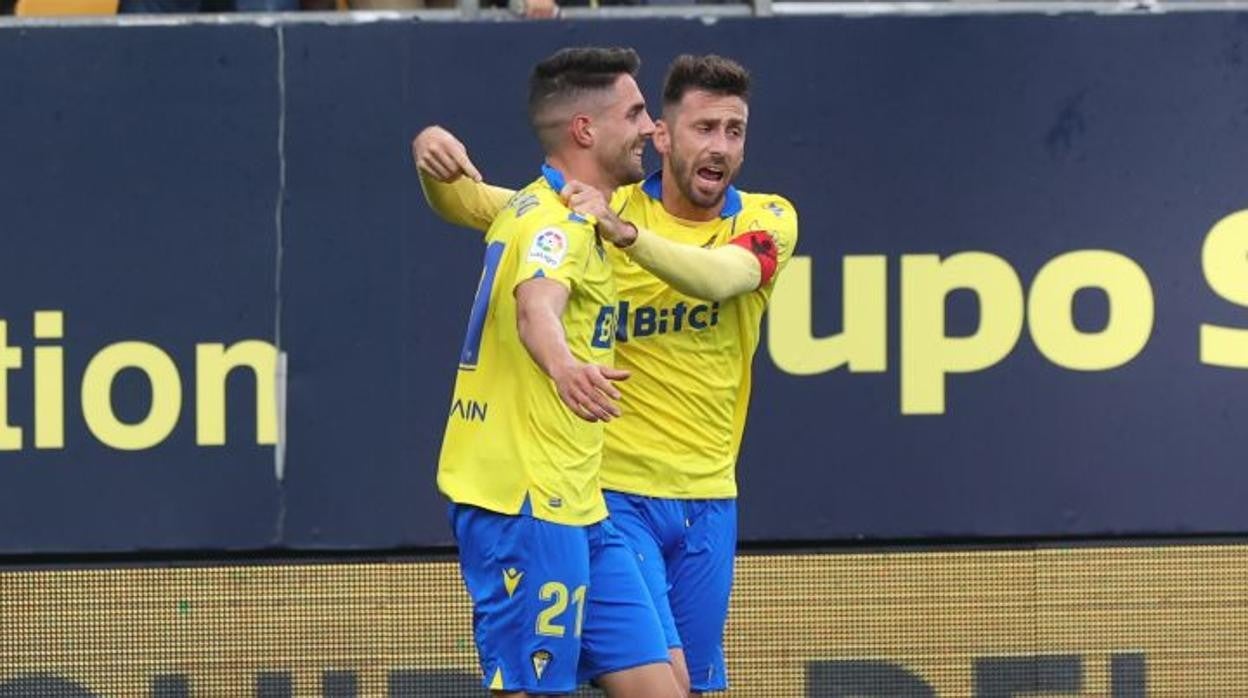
(645, 125)
(718, 143)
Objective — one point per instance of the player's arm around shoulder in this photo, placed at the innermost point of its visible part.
(452, 185)
(713, 274)
(748, 262)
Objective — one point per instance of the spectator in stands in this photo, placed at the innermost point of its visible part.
(533, 9)
(550, 8)
(192, 6)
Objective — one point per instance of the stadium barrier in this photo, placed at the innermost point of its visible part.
(1121, 622)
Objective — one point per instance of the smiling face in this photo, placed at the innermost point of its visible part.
(702, 142)
(589, 115)
(621, 130)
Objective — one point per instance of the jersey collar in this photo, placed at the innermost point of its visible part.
(553, 177)
(653, 187)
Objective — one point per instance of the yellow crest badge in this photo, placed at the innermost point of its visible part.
(541, 659)
(511, 580)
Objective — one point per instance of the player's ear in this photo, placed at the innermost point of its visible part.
(662, 138)
(582, 130)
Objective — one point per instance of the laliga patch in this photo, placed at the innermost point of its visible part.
(549, 247)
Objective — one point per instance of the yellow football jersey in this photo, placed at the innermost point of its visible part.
(511, 445)
(684, 406)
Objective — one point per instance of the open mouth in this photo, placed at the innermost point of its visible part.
(710, 174)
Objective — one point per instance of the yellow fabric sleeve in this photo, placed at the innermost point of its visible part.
(465, 202)
(716, 274)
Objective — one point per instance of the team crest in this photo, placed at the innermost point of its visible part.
(775, 208)
(549, 247)
(541, 660)
(511, 580)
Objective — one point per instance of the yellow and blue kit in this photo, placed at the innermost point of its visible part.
(684, 409)
(510, 442)
(669, 463)
(557, 595)
(686, 403)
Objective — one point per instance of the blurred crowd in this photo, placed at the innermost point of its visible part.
(528, 8)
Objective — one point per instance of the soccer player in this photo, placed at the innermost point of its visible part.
(557, 595)
(688, 325)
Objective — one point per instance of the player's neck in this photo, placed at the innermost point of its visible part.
(583, 170)
(677, 204)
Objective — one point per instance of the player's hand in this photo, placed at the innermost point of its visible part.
(439, 154)
(588, 201)
(587, 390)
(584, 199)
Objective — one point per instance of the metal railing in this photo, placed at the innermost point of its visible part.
(472, 10)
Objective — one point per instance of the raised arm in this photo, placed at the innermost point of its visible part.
(452, 184)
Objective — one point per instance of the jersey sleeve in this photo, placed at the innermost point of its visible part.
(774, 216)
(556, 251)
(465, 202)
(762, 248)
(711, 274)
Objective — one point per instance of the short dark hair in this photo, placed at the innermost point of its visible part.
(571, 72)
(710, 73)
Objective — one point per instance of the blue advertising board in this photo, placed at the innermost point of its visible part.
(1018, 305)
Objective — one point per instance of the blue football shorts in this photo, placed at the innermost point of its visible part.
(686, 549)
(553, 605)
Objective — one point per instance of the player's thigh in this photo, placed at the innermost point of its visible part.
(622, 630)
(701, 577)
(528, 580)
(646, 681)
(638, 520)
(680, 669)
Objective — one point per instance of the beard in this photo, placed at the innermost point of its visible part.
(685, 172)
(623, 168)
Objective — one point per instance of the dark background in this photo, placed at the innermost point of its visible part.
(142, 169)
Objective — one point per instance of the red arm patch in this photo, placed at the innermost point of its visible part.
(759, 244)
